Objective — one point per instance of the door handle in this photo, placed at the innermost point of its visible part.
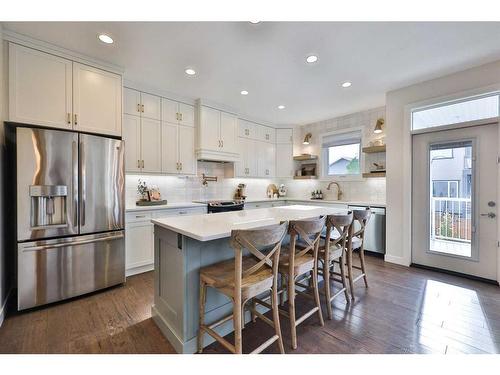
(83, 183)
(490, 215)
(74, 150)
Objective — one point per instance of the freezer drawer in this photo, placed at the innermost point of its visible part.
(53, 270)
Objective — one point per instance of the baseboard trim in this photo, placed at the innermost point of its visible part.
(3, 308)
(453, 273)
(396, 260)
(140, 269)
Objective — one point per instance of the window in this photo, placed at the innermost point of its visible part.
(469, 109)
(341, 154)
(448, 189)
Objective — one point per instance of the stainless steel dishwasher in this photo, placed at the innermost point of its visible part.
(375, 230)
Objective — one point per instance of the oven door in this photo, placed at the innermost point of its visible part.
(53, 270)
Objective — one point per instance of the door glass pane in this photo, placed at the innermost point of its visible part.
(453, 113)
(450, 198)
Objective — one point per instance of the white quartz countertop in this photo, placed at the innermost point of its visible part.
(133, 208)
(207, 227)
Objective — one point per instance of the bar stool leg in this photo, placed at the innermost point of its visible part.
(201, 333)
(342, 276)
(283, 289)
(291, 310)
(349, 273)
(362, 259)
(237, 307)
(276, 318)
(326, 281)
(316, 293)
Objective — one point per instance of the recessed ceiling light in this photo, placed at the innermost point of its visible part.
(190, 72)
(244, 92)
(312, 59)
(105, 38)
(346, 84)
(255, 22)
(281, 106)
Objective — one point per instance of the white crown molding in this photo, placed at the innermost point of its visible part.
(158, 92)
(27, 41)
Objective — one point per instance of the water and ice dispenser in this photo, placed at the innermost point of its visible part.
(48, 206)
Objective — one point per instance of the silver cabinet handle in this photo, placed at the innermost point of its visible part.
(75, 181)
(83, 183)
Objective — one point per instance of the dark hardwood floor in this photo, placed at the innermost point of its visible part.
(405, 310)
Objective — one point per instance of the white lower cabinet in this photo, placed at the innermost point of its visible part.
(139, 236)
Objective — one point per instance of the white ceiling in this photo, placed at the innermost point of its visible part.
(268, 59)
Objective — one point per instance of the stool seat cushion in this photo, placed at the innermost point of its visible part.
(221, 276)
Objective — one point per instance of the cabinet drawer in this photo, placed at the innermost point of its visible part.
(133, 217)
(179, 212)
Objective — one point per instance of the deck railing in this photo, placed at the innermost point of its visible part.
(451, 219)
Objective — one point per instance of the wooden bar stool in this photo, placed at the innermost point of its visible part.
(334, 252)
(242, 279)
(356, 242)
(297, 261)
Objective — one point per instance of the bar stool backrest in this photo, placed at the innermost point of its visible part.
(309, 232)
(258, 242)
(342, 223)
(361, 217)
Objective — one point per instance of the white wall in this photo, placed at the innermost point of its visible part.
(369, 189)
(398, 102)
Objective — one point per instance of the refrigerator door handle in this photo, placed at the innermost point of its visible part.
(84, 183)
(75, 181)
(73, 243)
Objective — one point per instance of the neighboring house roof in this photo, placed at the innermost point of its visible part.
(339, 166)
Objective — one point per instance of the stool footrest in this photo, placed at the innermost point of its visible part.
(219, 338)
(305, 316)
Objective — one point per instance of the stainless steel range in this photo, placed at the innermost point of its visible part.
(69, 204)
(225, 206)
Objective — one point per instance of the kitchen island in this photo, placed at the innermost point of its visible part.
(183, 245)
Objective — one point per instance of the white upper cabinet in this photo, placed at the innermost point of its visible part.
(284, 136)
(209, 129)
(150, 106)
(97, 100)
(170, 111)
(247, 166)
(284, 160)
(266, 158)
(228, 132)
(169, 148)
(187, 160)
(131, 102)
(132, 138)
(186, 113)
(177, 113)
(151, 145)
(266, 134)
(247, 129)
(40, 88)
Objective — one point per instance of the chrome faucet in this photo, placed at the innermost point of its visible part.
(339, 191)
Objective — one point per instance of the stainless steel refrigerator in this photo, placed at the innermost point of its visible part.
(69, 204)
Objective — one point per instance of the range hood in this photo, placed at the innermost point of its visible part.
(212, 156)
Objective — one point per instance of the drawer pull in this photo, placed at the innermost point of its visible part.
(182, 212)
(140, 216)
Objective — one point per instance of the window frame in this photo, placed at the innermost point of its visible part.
(323, 157)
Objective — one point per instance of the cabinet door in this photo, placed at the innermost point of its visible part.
(132, 138)
(284, 135)
(169, 110)
(131, 102)
(40, 88)
(228, 132)
(151, 145)
(284, 160)
(139, 249)
(186, 150)
(267, 134)
(150, 106)
(186, 112)
(169, 148)
(97, 100)
(241, 167)
(246, 129)
(266, 159)
(209, 129)
(251, 159)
